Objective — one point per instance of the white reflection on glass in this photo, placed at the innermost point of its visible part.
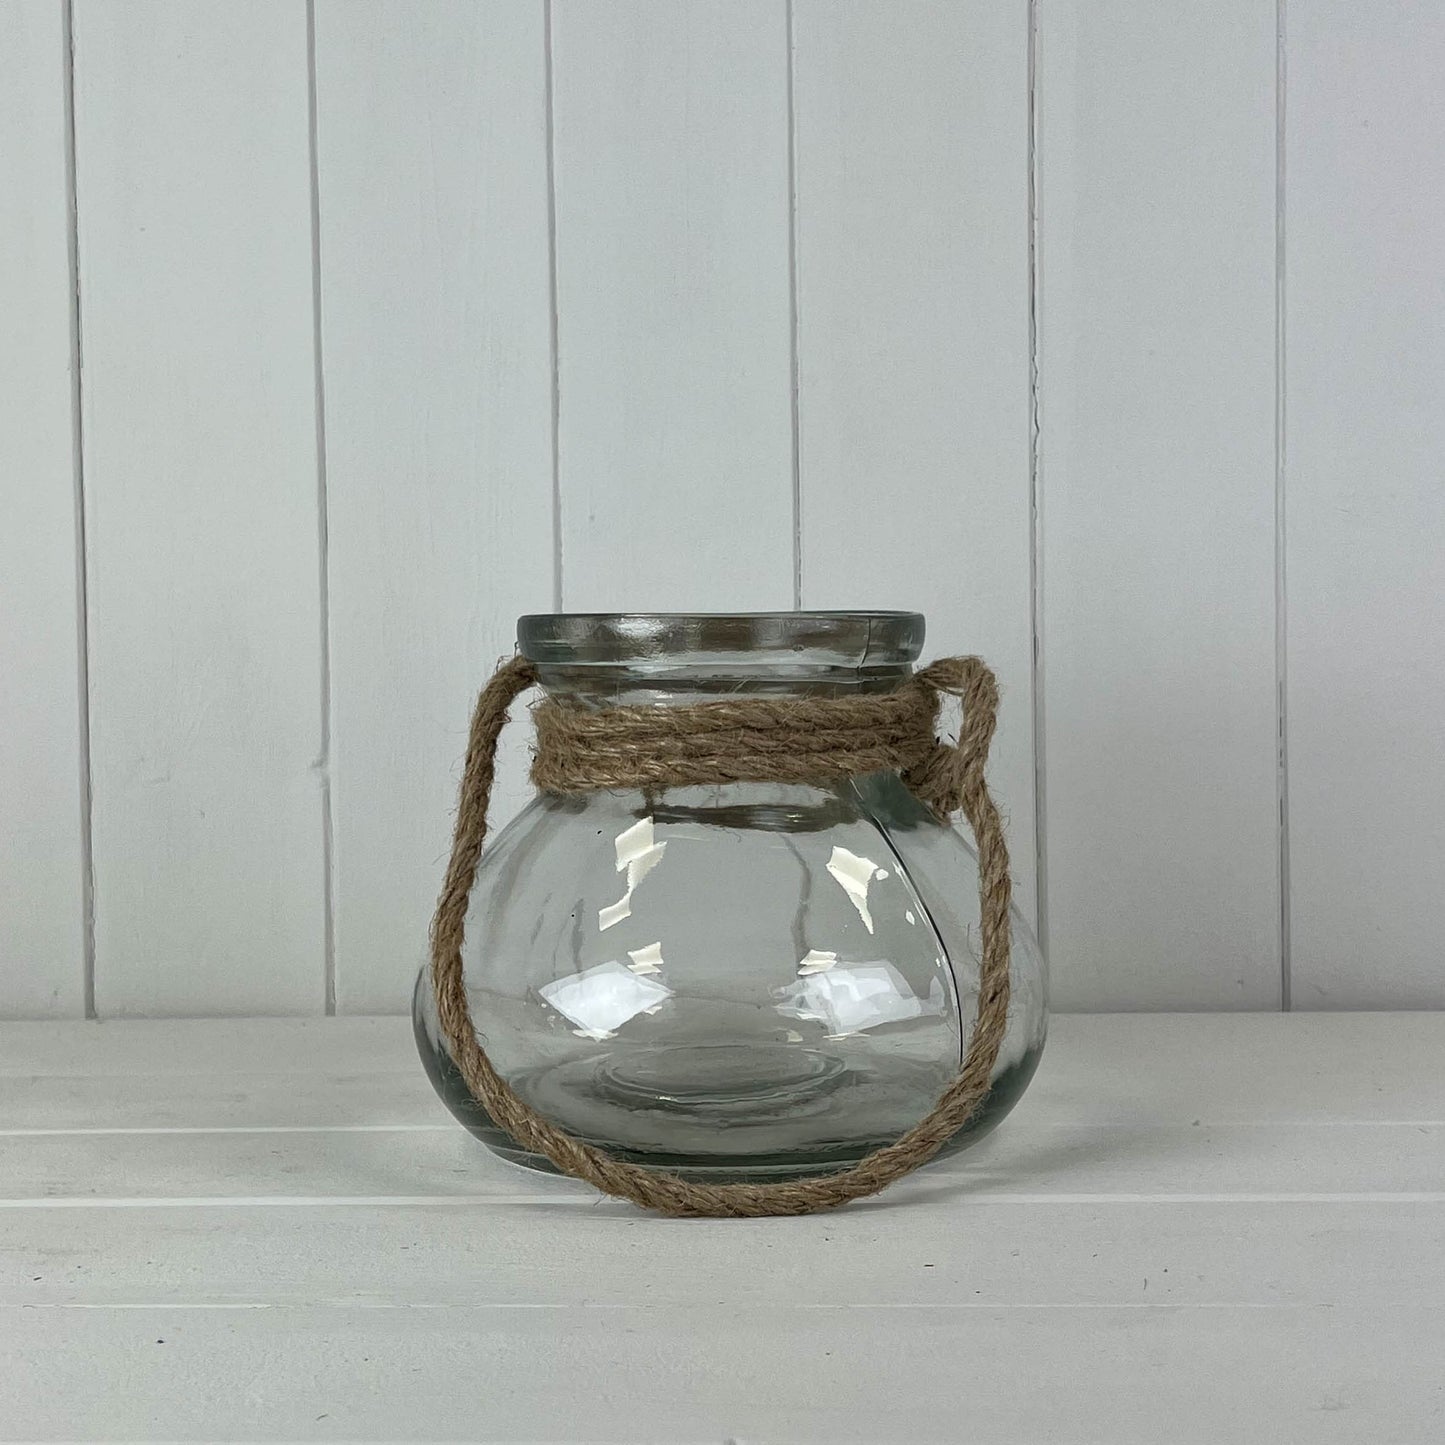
(853, 873)
(816, 960)
(852, 998)
(600, 1000)
(646, 960)
(637, 856)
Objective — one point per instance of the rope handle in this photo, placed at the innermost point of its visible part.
(949, 777)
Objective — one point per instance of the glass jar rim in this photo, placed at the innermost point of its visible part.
(832, 639)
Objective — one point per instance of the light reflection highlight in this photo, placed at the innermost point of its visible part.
(600, 1000)
(851, 998)
(853, 873)
(637, 856)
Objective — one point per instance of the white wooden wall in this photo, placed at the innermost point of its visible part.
(1110, 334)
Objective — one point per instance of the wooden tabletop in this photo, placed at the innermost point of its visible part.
(1195, 1228)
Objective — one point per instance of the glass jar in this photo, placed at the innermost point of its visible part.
(746, 982)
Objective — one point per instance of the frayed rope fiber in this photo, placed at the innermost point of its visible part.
(739, 739)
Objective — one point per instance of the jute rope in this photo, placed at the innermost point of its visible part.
(742, 739)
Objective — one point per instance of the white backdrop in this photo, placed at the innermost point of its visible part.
(1111, 335)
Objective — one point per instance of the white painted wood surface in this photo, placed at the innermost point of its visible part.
(1157, 467)
(432, 163)
(1239, 1234)
(675, 442)
(771, 266)
(913, 339)
(1365, 339)
(42, 857)
(201, 505)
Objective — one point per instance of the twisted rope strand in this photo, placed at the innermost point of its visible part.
(736, 740)
(580, 749)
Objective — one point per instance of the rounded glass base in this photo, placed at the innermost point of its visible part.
(726, 1112)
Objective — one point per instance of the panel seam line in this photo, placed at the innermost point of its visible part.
(82, 558)
(1281, 614)
(322, 765)
(553, 328)
(795, 458)
(1036, 577)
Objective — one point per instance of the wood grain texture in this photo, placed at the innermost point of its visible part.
(1026, 1166)
(675, 441)
(200, 464)
(1308, 1068)
(1135, 1235)
(913, 339)
(431, 149)
(1365, 503)
(995, 1256)
(1157, 479)
(1297, 1376)
(42, 858)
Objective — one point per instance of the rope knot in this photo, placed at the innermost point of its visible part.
(946, 775)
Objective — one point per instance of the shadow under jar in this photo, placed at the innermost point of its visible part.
(747, 982)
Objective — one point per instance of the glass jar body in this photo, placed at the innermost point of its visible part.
(749, 982)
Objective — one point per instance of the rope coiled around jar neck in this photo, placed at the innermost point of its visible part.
(739, 739)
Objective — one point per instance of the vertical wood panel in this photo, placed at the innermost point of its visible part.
(41, 845)
(438, 385)
(913, 337)
(200, 465)
(1365, 489)
(675, 446)
(1157, 376)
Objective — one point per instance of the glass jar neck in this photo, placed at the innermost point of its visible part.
(680, 682)
(614, 658)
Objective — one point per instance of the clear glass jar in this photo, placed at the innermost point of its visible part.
(748, 982)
